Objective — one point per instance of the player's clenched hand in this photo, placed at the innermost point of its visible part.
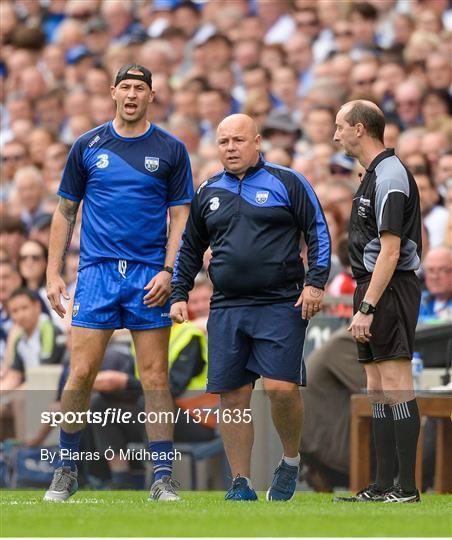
(159, 290)
(55, 288)
(179, 312)
(310, 301)
(360, 327)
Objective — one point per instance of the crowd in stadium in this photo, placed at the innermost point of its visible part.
(289, 64)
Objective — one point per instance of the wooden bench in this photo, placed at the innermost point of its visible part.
(437, 406)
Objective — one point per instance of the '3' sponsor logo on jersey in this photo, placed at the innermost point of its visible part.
(102, 161)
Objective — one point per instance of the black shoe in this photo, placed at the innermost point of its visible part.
(397, 495)
(368, 494)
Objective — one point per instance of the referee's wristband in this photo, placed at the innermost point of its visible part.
(168, 269)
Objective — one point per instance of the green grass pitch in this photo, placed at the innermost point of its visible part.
(205, 514)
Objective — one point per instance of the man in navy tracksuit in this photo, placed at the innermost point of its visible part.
(252, 215)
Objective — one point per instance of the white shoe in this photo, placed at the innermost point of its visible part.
(164, 490)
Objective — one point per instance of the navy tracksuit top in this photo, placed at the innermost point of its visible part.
(254, 227)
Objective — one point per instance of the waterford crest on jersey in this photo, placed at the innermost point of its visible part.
(127, 185)
(387, 200)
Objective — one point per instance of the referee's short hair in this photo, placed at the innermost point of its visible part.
(370, 117)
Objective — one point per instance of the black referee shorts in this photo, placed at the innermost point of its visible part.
(395, 320)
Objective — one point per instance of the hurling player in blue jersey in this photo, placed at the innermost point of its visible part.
(252, 215)
(130, 175)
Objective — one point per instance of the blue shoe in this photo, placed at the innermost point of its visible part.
(240, 490)
(284, 483)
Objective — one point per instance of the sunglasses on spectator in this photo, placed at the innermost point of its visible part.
(419, 169)
(308, 23)
(260, 113)
(363, 82)
(33, 257)
(336, 169)
(16, 157)
(346, 33)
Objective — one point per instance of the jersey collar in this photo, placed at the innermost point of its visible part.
(250, 171)
(381, 156)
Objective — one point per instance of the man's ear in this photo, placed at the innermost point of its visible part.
(360, 130)
(151, 96)
(113, 92)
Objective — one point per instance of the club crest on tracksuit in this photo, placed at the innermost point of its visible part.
(262, 197)
(75, 310)
(151, 163)
(214, 203)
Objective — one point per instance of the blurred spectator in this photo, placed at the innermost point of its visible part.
(38, 341)
(436, 107)
(436, 303)
(438, 71)
(341, 167)
(443, 172)
(14, 155)
(49, 109)
(12, 236)
(318, 124)
(434, 216)
(40, 229)
(408, 104)
(258, 105)
(9, 281)
(435, 143)
(278, 24)
(299, 56)
(38, 142)
(30, 192)
(280, 131)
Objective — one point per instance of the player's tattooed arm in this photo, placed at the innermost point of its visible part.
(69, 211)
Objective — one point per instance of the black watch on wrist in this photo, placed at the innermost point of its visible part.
(168, 269)
(366, 308)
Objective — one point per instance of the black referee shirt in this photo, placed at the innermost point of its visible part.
(387, 200)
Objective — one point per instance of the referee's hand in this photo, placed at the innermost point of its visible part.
(159, 290)
(360, 327)
(179, 312)
(55, 288)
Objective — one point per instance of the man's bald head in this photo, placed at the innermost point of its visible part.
(368, 114)
(238, 143)
(238, 121)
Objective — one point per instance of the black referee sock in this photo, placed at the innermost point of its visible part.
(406, 427)
(384, 437)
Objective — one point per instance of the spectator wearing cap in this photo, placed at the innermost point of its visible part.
(79, 60)
(96, 35)
(341, 167)
(29, 188)
(280, 131)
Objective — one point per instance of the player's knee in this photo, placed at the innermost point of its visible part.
(236, 399)
(82, 376)
(154, 379)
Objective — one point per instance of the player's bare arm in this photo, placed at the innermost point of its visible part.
(159, 288)
(384, 269)
(61, 231)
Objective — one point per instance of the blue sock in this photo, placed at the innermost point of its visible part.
(68, 441)
(163, 466)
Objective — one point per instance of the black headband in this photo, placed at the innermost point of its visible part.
(123, 73)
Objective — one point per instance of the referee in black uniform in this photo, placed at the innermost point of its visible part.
(385, 250)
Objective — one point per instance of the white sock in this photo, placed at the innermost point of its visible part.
(293, 461)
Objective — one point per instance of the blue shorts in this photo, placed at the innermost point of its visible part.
(252, 341)
(109, 295)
